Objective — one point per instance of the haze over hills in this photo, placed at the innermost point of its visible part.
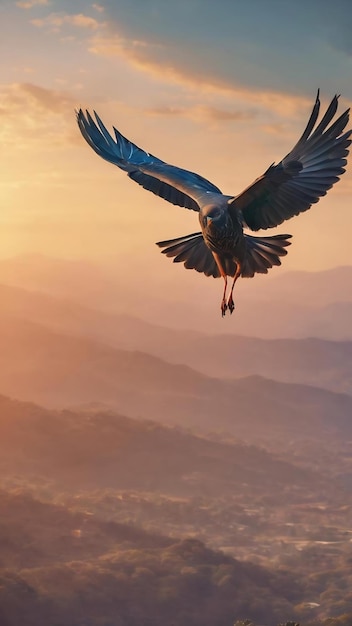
(26, 543)
(163, 479)
(279, 305)
(60, 370)
(315, 362)
(319, 288)
(70, 564)
(109, 471)
(91, 450)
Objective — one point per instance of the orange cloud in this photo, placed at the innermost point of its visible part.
(28, 4)
(32, 114)
(161, 61)
(203, 113)
(57, 20)
(54, 101)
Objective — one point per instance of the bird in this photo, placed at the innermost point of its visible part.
(221, 248)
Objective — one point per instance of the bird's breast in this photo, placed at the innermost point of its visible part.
(224, 239)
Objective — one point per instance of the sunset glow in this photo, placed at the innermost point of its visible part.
(170, 455)
(219, 100)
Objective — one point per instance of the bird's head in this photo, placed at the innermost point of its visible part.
(213, 215)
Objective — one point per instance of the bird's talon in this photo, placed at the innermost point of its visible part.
(231, 305)
(223, 308)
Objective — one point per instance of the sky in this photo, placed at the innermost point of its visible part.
(221, 88)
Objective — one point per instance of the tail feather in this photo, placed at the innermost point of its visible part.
(193, 252)
(262, 253)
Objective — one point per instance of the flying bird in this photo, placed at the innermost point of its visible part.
(221, 248)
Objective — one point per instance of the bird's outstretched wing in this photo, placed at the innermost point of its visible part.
(172, 183)
(302, 177)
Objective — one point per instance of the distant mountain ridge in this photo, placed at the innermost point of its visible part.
(287, 304)
(104, 449)
(316, 362)
(60, 370)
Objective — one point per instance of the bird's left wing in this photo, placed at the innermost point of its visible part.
(302, 177)
(172, 183)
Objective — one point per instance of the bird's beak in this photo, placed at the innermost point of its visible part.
(209, 220)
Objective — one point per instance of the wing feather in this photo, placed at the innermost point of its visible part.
(312, 167)
(174, 184)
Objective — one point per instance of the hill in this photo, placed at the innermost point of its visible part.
(58, 567)
(291, 304)
(60, 370)
(91, 450)
(314, 362)
(233, 496)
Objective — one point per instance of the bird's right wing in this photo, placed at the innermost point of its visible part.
(174, 184)
(312, 167)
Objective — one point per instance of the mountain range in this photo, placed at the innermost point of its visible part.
(310, 361)
(280, 305)
(88, 450)
(58, 567)
(62, 370)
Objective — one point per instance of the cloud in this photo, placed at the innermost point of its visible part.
(339, 36)
(275, 129)
(163, 63)
(29, 4)
(334, 24)
(57, 20)
(50, 100)
(31, 114)
(226, 43)
(156, 58)
(202, 113)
